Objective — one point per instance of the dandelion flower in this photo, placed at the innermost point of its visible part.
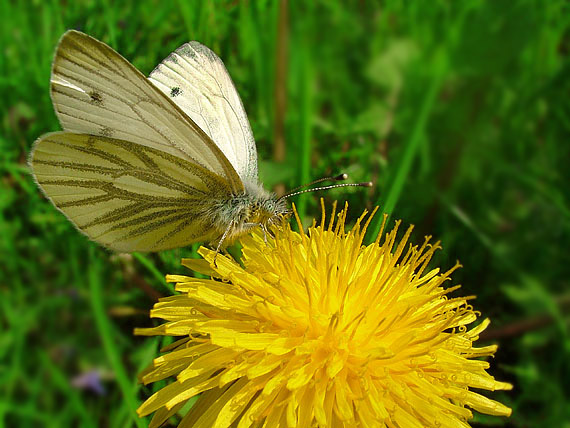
(320, 330)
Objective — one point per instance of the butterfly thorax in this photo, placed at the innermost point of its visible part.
(241, 213)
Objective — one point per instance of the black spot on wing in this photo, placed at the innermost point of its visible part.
(96, 98)
(174, 92)
(105, 131)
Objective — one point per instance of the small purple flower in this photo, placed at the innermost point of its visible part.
(89, 381)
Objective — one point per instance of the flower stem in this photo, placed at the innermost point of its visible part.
(105, 330)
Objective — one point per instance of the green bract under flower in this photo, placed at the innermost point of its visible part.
(318, 330)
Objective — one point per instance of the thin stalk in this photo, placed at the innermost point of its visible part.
(105, 330)
(389, 201)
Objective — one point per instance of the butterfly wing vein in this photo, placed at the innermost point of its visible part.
(126, 196)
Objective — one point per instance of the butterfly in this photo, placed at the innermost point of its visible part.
(150, 164)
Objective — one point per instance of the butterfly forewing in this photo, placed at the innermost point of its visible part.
(124, 195)
(196, 79)
(96, 91)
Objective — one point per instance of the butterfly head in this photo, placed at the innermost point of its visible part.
(268, 212)
(264, 208)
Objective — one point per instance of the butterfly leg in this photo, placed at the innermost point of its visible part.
(250, 226)
(222, 239)
(264, 229)
(246, 227)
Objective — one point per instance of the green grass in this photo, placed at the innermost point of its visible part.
(458, 111)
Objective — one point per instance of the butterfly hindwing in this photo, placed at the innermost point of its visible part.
(196, 79)
(124, 195)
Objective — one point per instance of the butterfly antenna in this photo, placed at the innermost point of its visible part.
(332, 186)
(339, 177)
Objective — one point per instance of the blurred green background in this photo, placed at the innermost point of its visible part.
(459, 111)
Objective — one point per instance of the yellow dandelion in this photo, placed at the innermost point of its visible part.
(319, 330)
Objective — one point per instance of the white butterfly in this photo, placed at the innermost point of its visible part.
(150, 164)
